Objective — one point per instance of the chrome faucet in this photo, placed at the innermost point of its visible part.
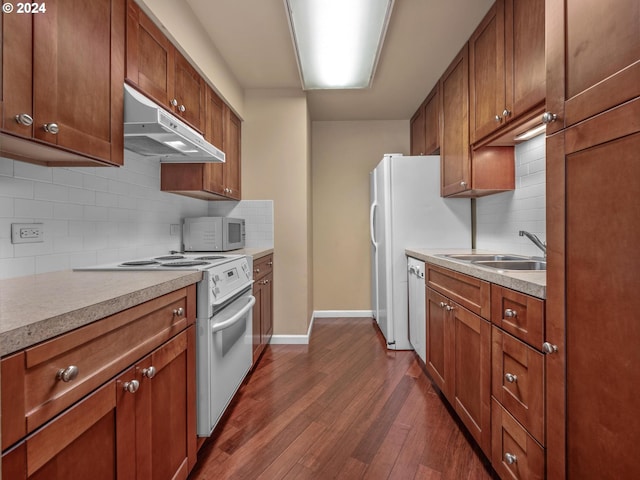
(538, 243)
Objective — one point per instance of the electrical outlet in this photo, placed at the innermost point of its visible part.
(175, 229)
(27, 233)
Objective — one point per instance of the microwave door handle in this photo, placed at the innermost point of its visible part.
(235, 318)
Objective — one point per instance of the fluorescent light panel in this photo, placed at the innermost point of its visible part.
(338, 42)
(531, 133)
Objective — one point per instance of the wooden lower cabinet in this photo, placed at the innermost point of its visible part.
(263, 308)
(459, 362)
(138, 425)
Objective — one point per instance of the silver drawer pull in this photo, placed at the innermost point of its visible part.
(68, 374)
(24, 119)
(149, 372)
(508, 313)
(178, 312)
(510, 377)
(548, 347)
(270, 264)
(449, 308)
(131, 387)
(51, 128)
(510, 458)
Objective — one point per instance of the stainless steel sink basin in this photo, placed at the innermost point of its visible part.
(514, 264)
(475, 257)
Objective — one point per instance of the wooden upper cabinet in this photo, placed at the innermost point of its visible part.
(68, 81)
(160, 71)
(487, 74)
(506, 67)
(454, 137)
(213, 118)
(593, 57)
(418, 132)
(425, 125)
(232, 150)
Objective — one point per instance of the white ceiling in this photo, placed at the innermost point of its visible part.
(423, 37)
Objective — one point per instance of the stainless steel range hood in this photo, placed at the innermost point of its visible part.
(151, 131)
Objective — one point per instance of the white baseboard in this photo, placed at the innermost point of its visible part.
(304, 339)
(342, 313)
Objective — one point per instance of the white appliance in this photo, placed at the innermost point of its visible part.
(151, 131)
(224, 323)
(417, 307)
(407, 211)
(213, 234)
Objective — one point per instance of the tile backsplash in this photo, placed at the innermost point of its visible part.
(500, 217)
(91, 215)
(258, 215)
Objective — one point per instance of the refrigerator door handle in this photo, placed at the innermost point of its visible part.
(372, 213)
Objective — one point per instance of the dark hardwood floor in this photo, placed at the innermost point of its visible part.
(341, 407)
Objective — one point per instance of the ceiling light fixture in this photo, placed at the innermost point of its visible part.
(337, 42)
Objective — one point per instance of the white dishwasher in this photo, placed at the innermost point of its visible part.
(417, 307)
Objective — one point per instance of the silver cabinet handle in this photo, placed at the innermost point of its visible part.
(68, 374)
(508, 313)
(463, 184)
(442, 304)
(510, 377)
(24, 119)
(270, 264)
(178, 312)
(510, 458)
(549, 347)
(149, 372)
(497, 118)
(182, 108)
(131, 387)
(506, 112)
(52, 128)
(174, 102)
(548, 117)
(449, 308)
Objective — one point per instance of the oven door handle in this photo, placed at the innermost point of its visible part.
(235, 318)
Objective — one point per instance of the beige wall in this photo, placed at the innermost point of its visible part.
(181, 25)
(276, 165)
(343, 154)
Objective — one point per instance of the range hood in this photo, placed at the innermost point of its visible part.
(151, 131)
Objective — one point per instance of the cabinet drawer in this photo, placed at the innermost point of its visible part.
(99, 351)
(518, 381)
(472, 293)
(262, 266)
(510, 442)
(519, 314)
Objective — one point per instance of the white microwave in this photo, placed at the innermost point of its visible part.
(212, 234)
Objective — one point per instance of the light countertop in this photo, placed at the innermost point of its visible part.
(532, 283)
(38, 307)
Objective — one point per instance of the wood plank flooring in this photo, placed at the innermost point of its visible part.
(342, 407)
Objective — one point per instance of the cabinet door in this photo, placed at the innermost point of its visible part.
(524, 56)
(256, 333)
(592, 301)
(81, 443)
(189, 93)
(472, 366)
(213, 180)
(454, 143)
(78, 72)
(418, 132)
(432, 122)
(16, 73)
(440, 342)
(232, 140)
(150, 57)
(165, 410)
(487, 74)
(593, 57)
(266, 314)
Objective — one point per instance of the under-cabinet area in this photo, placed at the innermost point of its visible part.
(485, 352)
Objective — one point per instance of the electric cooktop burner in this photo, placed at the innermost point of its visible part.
(139, 263)
(186, 263)
(211, 257)
(170, 257)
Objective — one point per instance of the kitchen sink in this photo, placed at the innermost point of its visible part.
(475, 257)
(513, 264)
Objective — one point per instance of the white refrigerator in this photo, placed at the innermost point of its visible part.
(406, 211)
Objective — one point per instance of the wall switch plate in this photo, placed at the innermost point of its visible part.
(175, 229)
(27, 233)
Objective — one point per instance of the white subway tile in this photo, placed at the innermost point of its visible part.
(51, 192)
(15, 187)
(36, 209)
(68, 211)
(6, 167)
(32, 172)
(17, 267)
(52, 263)
(67, 176)
(82, 196)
